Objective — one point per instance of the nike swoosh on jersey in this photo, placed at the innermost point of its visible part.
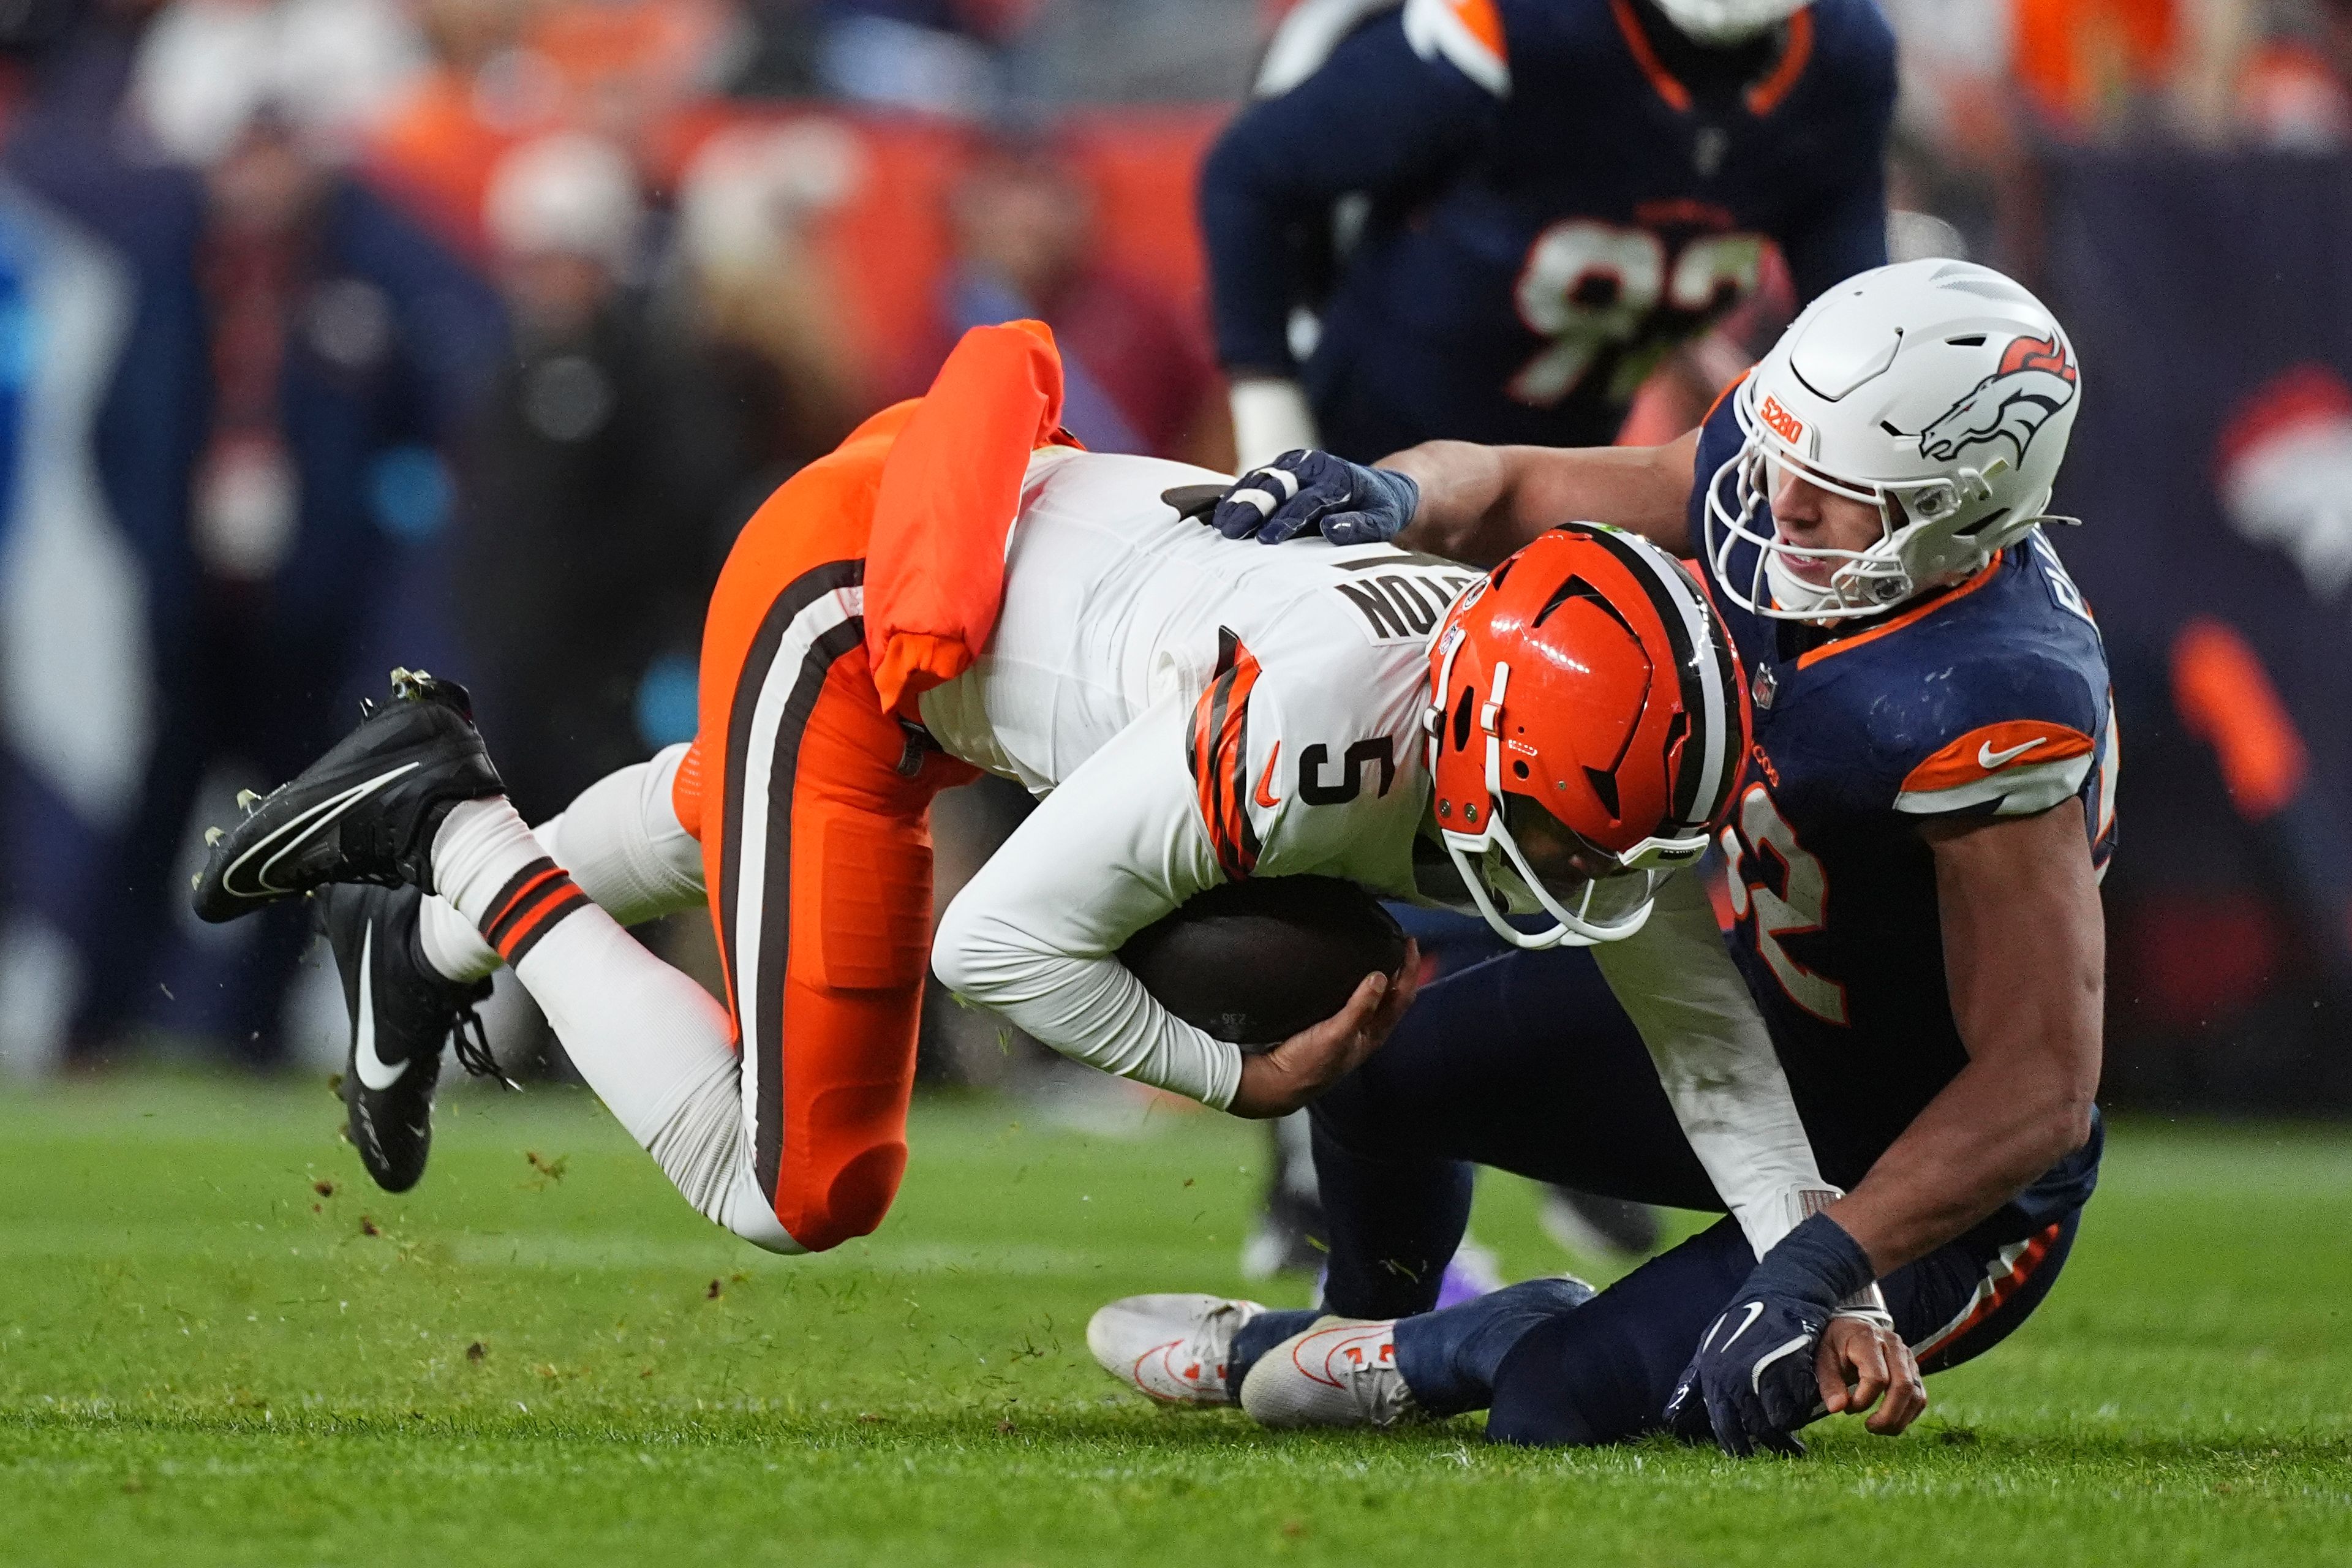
(373, 1071)
(1988, 759)
(1266, 795)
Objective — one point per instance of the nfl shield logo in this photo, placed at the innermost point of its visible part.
(1765, 687)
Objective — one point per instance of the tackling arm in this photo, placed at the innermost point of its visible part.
(2024, 956)
(1480, 504)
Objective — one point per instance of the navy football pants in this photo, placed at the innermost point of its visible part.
(1527, 1064)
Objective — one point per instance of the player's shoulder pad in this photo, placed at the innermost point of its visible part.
(2009, 731)
(1467, 34)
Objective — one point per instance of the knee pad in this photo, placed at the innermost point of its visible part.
(842, 1187)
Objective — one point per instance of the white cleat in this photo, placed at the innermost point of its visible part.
(1171, 1348)
(1340, 1373)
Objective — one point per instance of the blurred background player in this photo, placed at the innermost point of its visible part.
(294, 355)
(1493, 220)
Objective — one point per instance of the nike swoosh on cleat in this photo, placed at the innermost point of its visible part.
(321, 816)
(373, 1071)
(1988, 759)
(1754, 1310)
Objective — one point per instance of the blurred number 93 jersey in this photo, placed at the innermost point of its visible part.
(1559, 191)
(1986, 697)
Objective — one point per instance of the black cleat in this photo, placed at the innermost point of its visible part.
(402, 1013)
(365, 812)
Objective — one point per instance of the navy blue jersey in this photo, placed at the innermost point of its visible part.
(1990, 697)
(1552, 209)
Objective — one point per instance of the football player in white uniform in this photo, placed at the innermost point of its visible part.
(1550, 739)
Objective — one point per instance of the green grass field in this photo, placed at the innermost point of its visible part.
(541, 1356)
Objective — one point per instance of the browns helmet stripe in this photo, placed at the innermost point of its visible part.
(1709, 687)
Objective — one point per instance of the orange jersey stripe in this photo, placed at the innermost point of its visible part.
(1812, 657)
(1766, 95)
(1982, 752)
(1219, 757)
(1483, 22)
(1676, 94)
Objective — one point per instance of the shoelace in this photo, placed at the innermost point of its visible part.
(471, 1042)
(1380, 1391)
(1211, 1342)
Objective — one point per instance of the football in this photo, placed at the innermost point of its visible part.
(1256, 961)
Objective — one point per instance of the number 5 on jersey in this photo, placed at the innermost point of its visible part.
(1798, 907)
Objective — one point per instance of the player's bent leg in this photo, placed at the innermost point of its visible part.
(1525, 1063)
(650, 1041)
(1965, 1298)
(1344, 1372)
(820, 879)
(1603, 1373)
(624, 845)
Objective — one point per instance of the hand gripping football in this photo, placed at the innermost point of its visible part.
(1258, 960)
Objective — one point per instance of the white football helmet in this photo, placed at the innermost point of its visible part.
(1721, 22)
(1939, 391)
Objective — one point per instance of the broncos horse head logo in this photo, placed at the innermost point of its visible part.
(2035, 381)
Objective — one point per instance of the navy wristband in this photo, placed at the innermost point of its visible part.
(1818, 1262)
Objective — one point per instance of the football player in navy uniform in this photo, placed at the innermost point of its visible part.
(1541, 199)
(1914, 857)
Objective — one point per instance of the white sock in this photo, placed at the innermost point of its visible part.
(480, 847)
(622, 843)
(650, 1041)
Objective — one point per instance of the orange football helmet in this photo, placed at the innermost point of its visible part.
(1584, 696)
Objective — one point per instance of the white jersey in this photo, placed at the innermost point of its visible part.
(1190, 710)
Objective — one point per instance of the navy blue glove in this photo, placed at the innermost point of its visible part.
(1751, 1382)
(1309, 492)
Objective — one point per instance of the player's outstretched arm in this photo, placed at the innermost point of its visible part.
(1462, 501)
(2024, 956)
(1480, 504)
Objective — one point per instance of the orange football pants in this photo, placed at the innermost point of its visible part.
(812, 805)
